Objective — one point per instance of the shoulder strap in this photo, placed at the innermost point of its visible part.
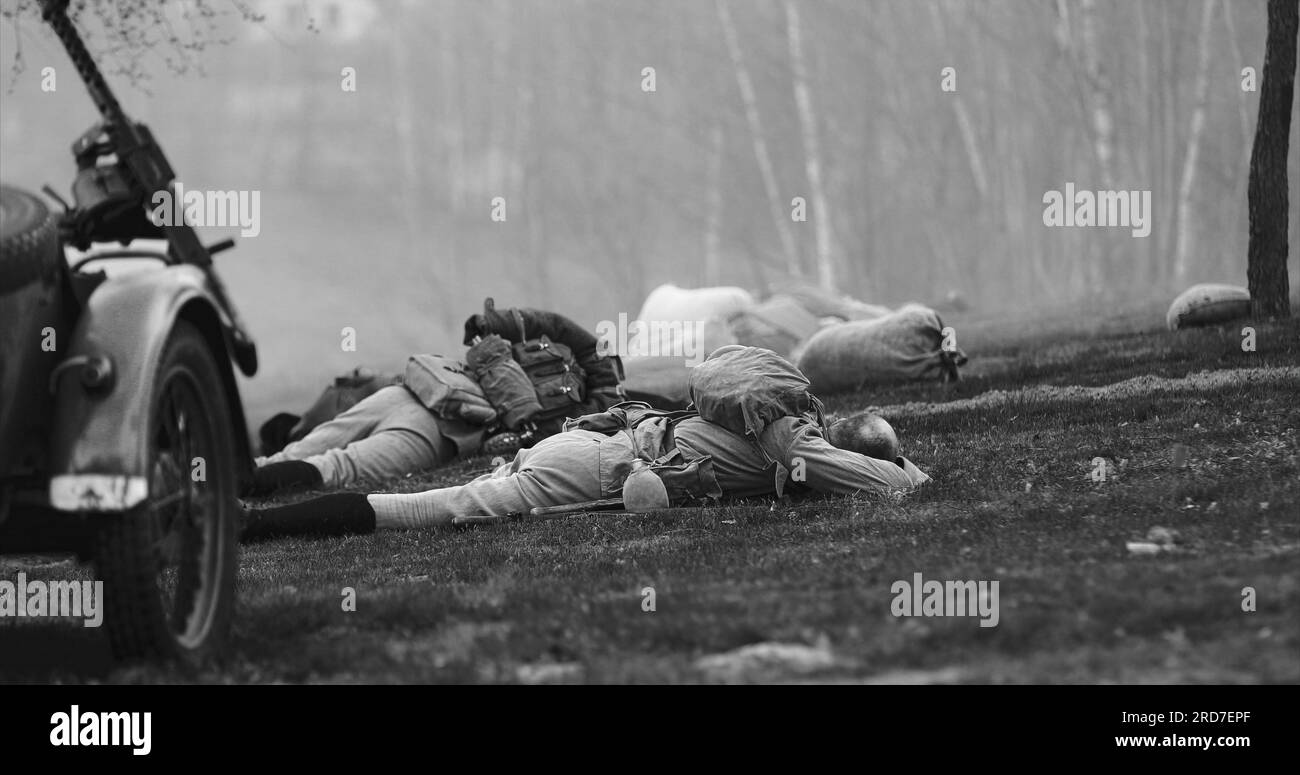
(489, 307)
(519, 321)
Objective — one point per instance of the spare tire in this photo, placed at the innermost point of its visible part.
(29, 240)
(31, 300)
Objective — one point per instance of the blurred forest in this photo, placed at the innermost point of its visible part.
(376, 203)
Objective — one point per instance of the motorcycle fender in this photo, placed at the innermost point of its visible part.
(99, 449)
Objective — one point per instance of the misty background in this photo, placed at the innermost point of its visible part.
(376, 204)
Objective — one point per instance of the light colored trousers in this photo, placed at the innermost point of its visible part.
(560, 470)
(387, 434)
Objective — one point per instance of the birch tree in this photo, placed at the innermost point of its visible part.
(1182, 243)
(812, 151)
(780, 215)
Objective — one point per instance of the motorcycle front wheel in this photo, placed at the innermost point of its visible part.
(169, 565)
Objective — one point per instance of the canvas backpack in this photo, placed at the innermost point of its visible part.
(507, 387)
(557, 379)
(442, 385)
(745, 389)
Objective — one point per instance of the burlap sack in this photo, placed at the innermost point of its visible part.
(904, 345)
(687, 322)
(1208, 304)
(824, 304)
(778, 324)
(677, 329)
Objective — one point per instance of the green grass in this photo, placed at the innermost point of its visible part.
(1011, 500)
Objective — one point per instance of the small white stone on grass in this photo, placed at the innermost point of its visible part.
(549, 673)
(1143, 547)
(759, 661)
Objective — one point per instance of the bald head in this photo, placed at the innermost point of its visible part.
(867, 434)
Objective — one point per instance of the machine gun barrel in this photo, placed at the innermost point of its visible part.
(55, 14)
(144, 161)
(144, 165)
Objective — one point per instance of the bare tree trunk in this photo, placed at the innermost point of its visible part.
(713, 210)
(1014, 179)
(1102, 124)
(404, 127)
(964, 124)
(1103, 120)
(533, 133)
(1266, 271)
(780, 215)
(1182, 243)
(1095, 94)
(1243, 117)
(812, 151)
(1043, 285)
(499, 115)
(1147, 271)
(1168, 147)
(971, 144)
(1079, 269)
(452, 118)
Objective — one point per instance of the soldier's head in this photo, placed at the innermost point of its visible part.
(867, 434)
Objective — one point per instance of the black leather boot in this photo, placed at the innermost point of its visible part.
(341, 513)
(278, 476)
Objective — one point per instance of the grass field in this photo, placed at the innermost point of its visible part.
(801, 591)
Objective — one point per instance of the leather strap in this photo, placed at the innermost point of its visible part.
(519, 321)
(489, 307)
